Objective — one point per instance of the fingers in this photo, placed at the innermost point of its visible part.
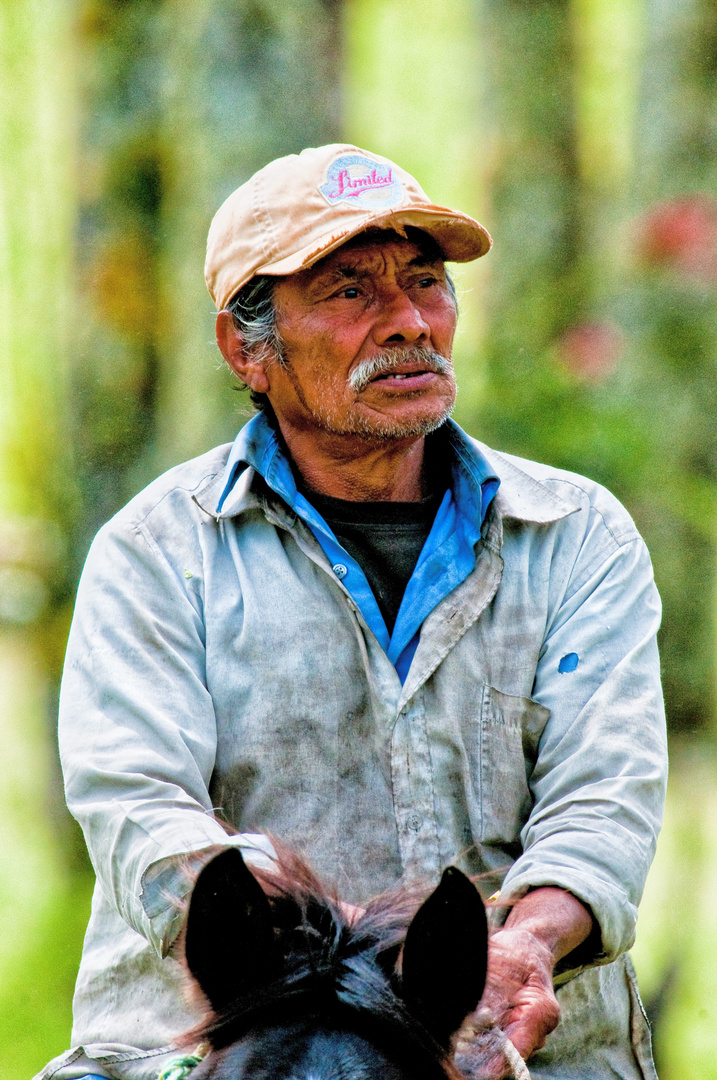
(520, 992)
(530, 1029)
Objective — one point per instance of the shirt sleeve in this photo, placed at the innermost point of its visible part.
(138, 731)
(598, 783)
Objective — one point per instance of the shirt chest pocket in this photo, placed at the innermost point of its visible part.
(510, 729)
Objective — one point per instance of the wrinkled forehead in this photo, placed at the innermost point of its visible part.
(371, 252)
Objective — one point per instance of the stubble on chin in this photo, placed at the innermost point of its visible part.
(372, 425)
(375, 426)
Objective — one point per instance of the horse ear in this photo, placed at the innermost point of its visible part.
(229, 942)
(445, 956)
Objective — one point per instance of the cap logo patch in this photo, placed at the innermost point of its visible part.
(362, 182)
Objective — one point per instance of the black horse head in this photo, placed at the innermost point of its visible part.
(297, 992)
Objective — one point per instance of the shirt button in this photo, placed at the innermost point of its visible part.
(340, 570)
(414, 823)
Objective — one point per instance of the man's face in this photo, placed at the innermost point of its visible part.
(367, 336)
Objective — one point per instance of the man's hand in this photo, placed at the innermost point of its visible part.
(519, 992)
(542, 927)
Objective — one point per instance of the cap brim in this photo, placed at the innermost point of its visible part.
(460, 237)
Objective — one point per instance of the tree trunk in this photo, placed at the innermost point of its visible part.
(37, 508)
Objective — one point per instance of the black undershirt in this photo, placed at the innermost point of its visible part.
(385, 539)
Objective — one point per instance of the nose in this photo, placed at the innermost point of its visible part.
(400, 321)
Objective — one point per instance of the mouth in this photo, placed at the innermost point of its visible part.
(410, 369)
(395, 376)
(411, 373)
(405, 380)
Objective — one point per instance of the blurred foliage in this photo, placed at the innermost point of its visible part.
(676, 950)
(602, 332)
(181, 101)
(40, 874)
(583, 134)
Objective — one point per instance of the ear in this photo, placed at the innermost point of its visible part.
(229, 943)
(247, 365)
(445, 956)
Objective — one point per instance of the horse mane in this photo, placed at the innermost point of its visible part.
(338, 971)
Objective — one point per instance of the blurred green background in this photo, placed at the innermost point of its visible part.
(583, 133)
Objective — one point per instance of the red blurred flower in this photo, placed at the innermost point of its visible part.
(591, 350)
(682, 233)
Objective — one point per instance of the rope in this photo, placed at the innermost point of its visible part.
(520, 1069)
(179, 1068)
(479, 1040)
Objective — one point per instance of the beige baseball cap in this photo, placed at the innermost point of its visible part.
(299, 208)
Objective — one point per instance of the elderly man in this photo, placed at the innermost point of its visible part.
(361, 630)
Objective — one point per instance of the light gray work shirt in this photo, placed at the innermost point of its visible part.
(216, 663)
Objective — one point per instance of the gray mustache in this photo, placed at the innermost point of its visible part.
(386, 362)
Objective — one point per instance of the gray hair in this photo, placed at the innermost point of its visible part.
(254, 313)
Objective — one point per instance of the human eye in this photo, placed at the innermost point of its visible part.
(424, 281)
(423, 277)
(350, 292)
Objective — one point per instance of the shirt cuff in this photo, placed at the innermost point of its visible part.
(615, 916)
(167, 882)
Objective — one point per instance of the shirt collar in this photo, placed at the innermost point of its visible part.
(259, 446)
(521, 495)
